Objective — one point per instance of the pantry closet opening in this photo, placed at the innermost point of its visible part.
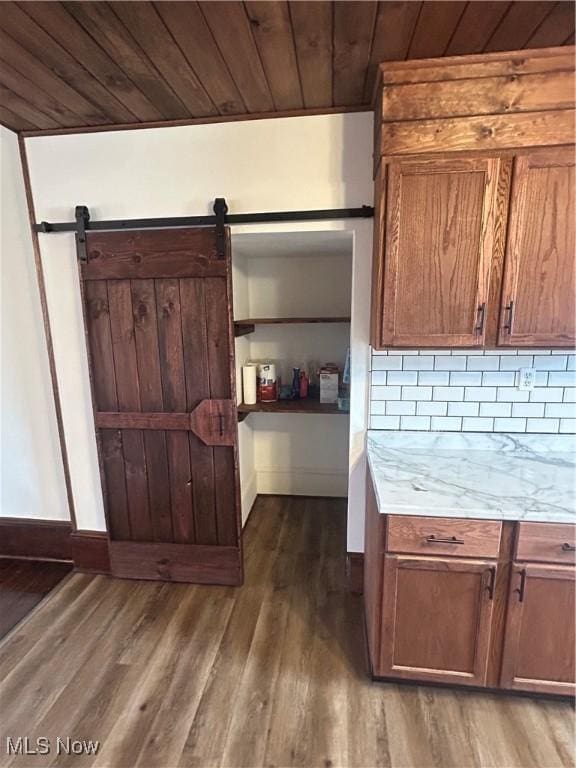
(292, 294)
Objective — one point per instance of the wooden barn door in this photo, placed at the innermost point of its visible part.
(158, 316)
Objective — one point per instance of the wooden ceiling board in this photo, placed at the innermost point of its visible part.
(395, 27)
(476, 26)
(58, 23)
(518, 25)
(354, 25)
(272, 30)
(149, 31)
(232, 31)
(34, 70)
(189, 29)
(436, 25)
(559, 22)
(26, 112)
(109, 32)
(74, 65)
(22, 28)
(312, 29)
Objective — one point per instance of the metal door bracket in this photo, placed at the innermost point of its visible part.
(82, 215)
(220, 209)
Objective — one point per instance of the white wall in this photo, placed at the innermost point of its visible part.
(32, 479)
(281, 164)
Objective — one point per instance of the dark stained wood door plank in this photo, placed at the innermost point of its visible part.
(161, 353)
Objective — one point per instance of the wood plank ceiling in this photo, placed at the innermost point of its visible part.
(76, 65)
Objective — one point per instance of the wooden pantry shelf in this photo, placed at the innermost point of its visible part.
(309, 405)
(242, 327)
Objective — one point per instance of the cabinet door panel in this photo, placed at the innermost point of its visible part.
(439, 238)
(538, 305)
(436, 619)
(539, 636)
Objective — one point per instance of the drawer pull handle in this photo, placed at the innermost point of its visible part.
(443, 540)
(568, 547)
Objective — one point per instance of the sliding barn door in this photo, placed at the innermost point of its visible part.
(158, 318)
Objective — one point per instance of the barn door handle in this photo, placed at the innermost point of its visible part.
(520, 589)
(443, 540)
(481, 312)
(492, 582)
(221, 423)
(509, 309)
(214, 422)
(568, 547)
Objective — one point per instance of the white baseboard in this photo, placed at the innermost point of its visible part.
(249, 493)
(302, 481)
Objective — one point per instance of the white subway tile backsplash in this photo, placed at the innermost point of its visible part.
(498, 379)
(431, 408)
(509, 425)
(463, 409)
(483, 364)
(473, 390)
(515, 363)
(543, 425)
(511, 395)
(547, 395)
(387, 364)
(495, 409)
(416, 393)
(386, 393)
(434, 378)
(446, 424)
(534, 410)
(452, 363)
(560, 410)
(480, 394)
(385, 422)
(420, 423)
(466, 378)
(477, 425)
(562, 379)
(551, 362)
(421, 363)
(448, 393)
(400, 407)
(402, 377)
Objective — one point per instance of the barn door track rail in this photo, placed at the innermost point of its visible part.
(219, 219)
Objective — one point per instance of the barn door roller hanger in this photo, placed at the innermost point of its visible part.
(220, 219)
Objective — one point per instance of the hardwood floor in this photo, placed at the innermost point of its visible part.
(272, 674)
(23, 584)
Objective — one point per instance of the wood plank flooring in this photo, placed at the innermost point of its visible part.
(23, 584)
(272, 674)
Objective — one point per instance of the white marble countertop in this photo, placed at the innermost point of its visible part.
(487, 476)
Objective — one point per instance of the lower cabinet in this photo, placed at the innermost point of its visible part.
(539, 638)
(460, 601)
(436, 619)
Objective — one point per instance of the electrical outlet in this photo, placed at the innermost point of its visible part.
(526, 378)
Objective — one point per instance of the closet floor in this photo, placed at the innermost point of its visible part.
(23, 584)
(272, 674)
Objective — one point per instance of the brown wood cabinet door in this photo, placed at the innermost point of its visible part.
(440, 218)
(436, 619)
(538, 298)
(159, 328)
(539, 637)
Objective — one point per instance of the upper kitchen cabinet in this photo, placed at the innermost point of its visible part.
(438, 251)
(538, 302)
(474, 200)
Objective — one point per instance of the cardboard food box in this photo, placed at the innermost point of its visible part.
(329, 376)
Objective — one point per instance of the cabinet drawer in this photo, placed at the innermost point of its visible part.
(443, 536)
(546, 542)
